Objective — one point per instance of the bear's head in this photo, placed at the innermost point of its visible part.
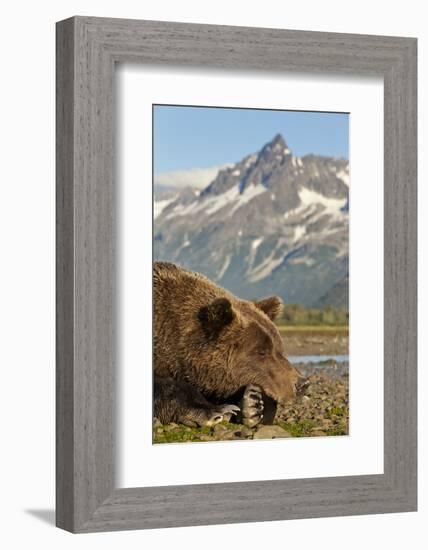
(251, 344)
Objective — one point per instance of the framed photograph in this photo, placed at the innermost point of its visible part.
(236, 274)
(273, 222)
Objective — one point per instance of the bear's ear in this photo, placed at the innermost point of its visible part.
(272, 306)
(215, 316)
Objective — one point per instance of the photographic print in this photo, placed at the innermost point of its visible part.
(250, 274)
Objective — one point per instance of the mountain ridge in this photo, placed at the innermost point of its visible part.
(272, 223)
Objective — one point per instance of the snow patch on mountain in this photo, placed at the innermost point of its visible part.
(253, 252)
(248, 195)
(214, 204)
(302, 260)
(331, 206)
(301, 210)
(224, 267)
(159, 206)
(256, 243)
(344, 176)
(183, 210)
(251, 160)
(299, 232)
(265, 268)
(233, 198)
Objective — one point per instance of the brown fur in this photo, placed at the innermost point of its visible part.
(207, 337)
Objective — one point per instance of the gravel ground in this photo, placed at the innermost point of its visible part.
(321, 409)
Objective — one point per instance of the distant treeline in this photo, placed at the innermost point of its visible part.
(296, 314)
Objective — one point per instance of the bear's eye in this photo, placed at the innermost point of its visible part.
(263, 352)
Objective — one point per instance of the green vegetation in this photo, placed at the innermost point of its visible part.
(296, 315)
(301, 428)
(337, 430)
(338, 411)
(309, 427)
(178, 433)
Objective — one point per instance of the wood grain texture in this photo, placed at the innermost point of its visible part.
(64, 277)
(87, 49)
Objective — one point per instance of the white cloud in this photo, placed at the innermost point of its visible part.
(194, 177)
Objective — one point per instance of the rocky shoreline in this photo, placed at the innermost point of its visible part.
(321, 409)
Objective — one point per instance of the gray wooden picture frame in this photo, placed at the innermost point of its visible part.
(87, 50)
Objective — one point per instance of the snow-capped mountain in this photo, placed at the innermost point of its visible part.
(273, 223)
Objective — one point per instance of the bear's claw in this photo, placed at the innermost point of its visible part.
(224, 412)
(232, 409)
(252, 406)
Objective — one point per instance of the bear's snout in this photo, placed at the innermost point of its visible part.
(302, 385)
(285, 381)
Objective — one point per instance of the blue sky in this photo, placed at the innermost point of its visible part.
(187, 138)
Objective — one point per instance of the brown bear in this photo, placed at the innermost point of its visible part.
(213, 351)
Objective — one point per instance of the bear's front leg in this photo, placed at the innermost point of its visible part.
(180, 402)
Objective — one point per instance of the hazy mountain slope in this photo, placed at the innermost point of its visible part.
(337, 296)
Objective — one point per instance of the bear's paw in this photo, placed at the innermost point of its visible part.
(252, 406)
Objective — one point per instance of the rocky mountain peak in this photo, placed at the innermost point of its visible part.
(272, 223)
(275, 150)
(277, 145)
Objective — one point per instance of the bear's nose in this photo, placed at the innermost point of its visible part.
(302, 385)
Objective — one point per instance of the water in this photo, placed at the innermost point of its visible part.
(317, 359)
